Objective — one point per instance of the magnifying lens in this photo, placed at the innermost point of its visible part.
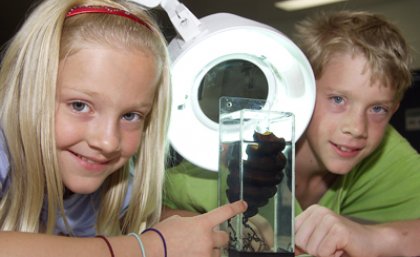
(227, 55)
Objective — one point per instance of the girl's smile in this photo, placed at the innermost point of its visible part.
(91, 164)
(101, 111)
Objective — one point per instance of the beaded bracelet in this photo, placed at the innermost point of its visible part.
(161, 237)
(143, 253)
(111, 251)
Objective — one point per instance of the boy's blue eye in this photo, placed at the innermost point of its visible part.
(379, 109)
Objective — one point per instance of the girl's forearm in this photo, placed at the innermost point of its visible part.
(17, 244)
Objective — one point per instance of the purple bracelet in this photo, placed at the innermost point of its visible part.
(161, 237)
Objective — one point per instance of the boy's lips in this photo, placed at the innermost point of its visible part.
(346, 150)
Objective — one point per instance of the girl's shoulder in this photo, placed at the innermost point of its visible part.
(4, 164)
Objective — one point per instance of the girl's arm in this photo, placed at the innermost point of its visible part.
(184, 237)
(16, 244)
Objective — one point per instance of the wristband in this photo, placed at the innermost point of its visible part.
(111, 251)
(161, 237)
(143, 253)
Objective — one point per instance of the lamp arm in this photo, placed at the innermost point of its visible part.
(185, 23)
(148, 4)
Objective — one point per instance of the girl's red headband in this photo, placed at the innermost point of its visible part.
(108, 10)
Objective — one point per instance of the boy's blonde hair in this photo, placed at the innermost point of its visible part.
(324, 35)
(28, 79)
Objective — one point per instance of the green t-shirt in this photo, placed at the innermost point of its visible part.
(383, 187)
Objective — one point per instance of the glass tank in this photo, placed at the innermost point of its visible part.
(256, 164)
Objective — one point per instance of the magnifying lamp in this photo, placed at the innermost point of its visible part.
(227, 55)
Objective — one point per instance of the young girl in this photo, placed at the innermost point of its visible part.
(84, 107)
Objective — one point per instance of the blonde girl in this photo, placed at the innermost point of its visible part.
(84, 108)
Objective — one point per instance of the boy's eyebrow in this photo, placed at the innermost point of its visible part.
(385, 102)
(330, 90)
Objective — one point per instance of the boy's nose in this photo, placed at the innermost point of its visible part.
(355, 124)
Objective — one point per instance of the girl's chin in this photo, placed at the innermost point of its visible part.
(82, 190)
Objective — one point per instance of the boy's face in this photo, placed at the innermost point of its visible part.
(103, 98)
(350, 116)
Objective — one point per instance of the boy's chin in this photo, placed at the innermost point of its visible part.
(340, 169)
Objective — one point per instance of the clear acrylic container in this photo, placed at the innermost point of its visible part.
(256, 164)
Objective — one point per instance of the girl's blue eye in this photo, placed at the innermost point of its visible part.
(79, 106)
(131, 116)
(337, 99)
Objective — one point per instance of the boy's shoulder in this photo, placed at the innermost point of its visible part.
(394, 152)
(386, 182)
(394, 147)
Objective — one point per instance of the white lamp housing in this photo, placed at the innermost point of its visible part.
(223, 36)
(200, 46)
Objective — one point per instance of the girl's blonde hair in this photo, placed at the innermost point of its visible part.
(324, 35)
(28, 79)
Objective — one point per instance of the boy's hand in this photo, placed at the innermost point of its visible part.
(321, 232)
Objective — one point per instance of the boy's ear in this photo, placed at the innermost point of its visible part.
(396, 106)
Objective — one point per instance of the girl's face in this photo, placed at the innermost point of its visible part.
(350, 116)
(103, 98)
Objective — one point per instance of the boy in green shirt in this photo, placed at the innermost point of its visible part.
(350, 163)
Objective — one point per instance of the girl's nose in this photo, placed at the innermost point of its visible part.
(105, 136)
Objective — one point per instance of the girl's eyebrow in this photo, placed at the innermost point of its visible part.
(143, 106)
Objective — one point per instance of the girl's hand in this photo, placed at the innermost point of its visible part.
(198, 235)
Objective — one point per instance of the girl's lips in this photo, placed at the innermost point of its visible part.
(90, 164)
(89, 160)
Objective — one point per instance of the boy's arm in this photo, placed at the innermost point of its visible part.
(321, 232)
(402, 238)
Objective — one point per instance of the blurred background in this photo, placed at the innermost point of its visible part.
(404, 13)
